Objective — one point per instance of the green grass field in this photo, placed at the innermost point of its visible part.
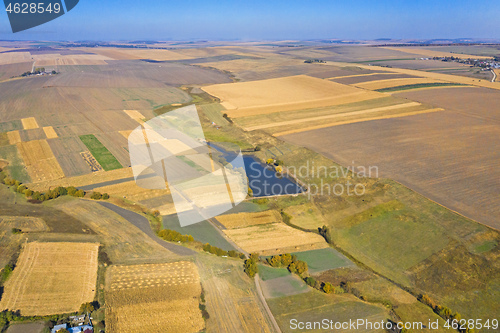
(323, 260)
(316, 306)
(203, 232)
(16, 167)
(284, 286)
(391, 244)
(100, 152)
(269, 273)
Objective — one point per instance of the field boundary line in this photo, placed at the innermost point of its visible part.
(358, 75)
(336, 115)
(400, 115)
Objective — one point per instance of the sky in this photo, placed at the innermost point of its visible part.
(112, 20)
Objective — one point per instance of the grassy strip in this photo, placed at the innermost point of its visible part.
(100, 152)
(419, 85)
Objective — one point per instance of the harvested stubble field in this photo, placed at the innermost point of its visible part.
(45, 60)
(131, 191)
(231, 297)
(25, 223)
(388, 83)
(154, 298)
(353, 79)
(14, 57)
(52, 278)
(124, 242)
(10, 70)
(284, 94)
(40, 160)
(242, 220)
(29, 123)
(49, 132)
(14, 137)
(275, 238)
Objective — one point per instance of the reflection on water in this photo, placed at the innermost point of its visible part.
(262, 179)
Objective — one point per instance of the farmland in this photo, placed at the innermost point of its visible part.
(139, 296)
(52, 278)
(241, 220)
(100, 152)
(284, 94)
(274, 238)
(40, 160)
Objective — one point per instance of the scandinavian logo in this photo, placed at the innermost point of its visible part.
(170, 151)
(26, 14)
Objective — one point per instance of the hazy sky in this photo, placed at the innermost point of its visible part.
(271, 19)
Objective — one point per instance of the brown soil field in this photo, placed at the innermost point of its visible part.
(32, 134)
(14, 57)
(52, 278)
(446, 156)
(154, 298)
(430, 75)
(44, 60)
(284, 94)
(356, 119)
(67, 151)
(14, 137)
(332, 116)
(49, 132)
(40, 160)
(433, 53)
(29, 123)
(242, 220)
(10, 70)
(387, 83)
(153, 54)
(274, 238)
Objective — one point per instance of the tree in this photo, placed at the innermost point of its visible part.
(251, 267)
(311, 281)
(301, 267)
(327, 287)
(28, 193)
(96, 196)
(86, 308)
(105, 196)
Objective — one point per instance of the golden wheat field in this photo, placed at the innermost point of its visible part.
(154, 298)
(50, 133)
(52, 278)
(14, 137)
(14, 57)
(70, 60)
(284, 94)
(29, 123)
(274, 238)
(40, 160)
(241, 220)
(132, 191)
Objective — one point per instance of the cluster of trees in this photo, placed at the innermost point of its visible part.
(289, 261)
(222, 253)
(7, 317)
(174, 236)
(311, 61)
(89, 307)
(444, 312)
(250, 265)
(7, 270)
(50, 194)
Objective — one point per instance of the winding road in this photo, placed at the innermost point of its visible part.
(143, 224)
